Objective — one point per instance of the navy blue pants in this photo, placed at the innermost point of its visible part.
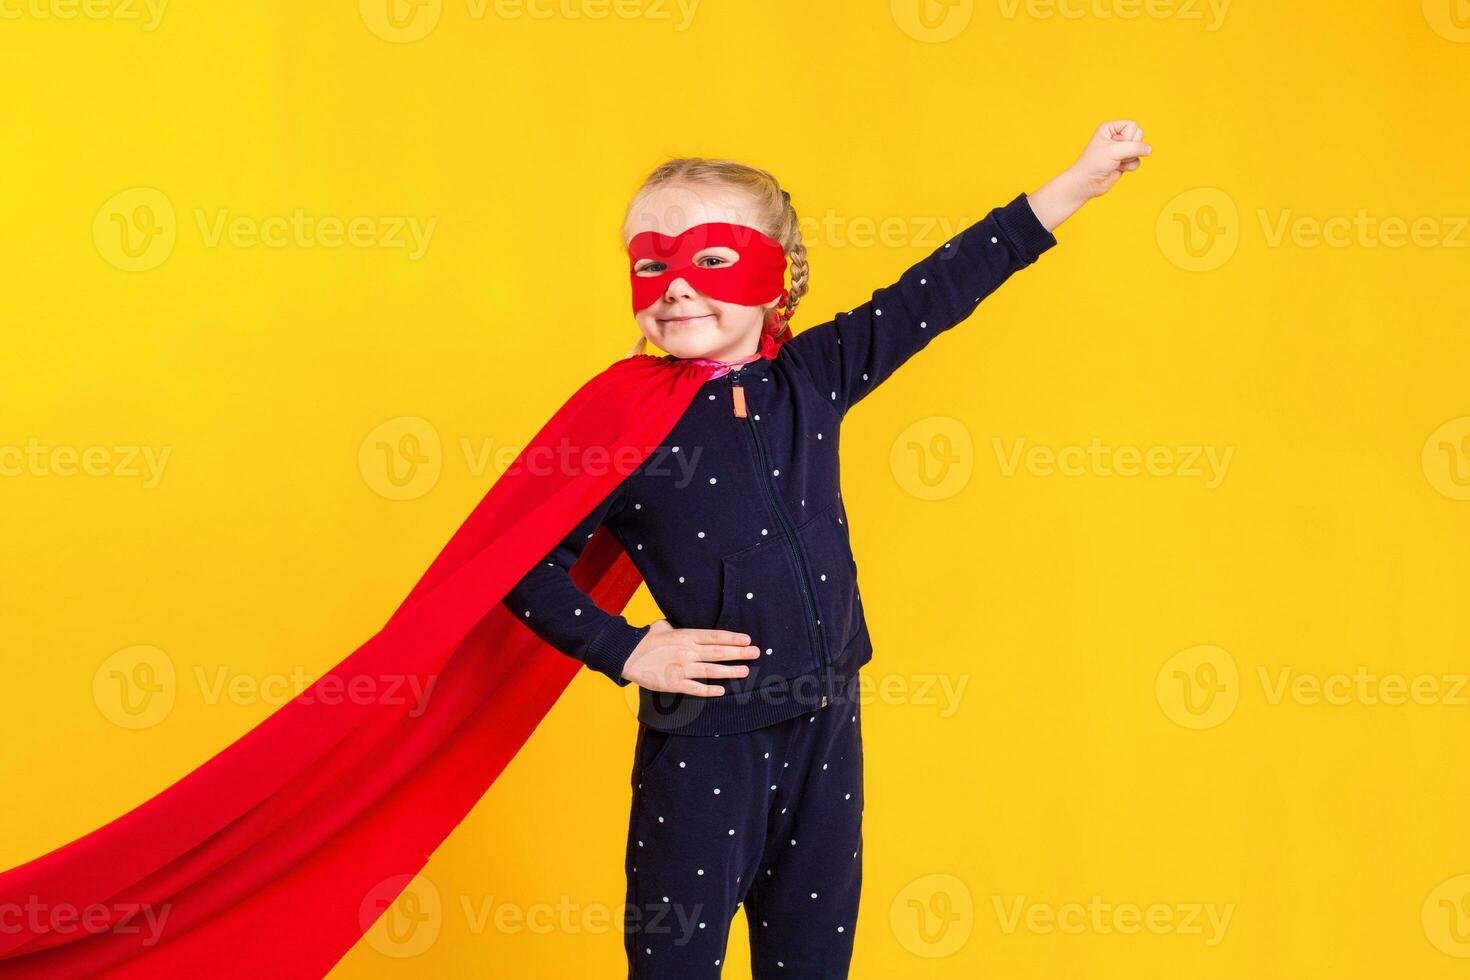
(771, 819)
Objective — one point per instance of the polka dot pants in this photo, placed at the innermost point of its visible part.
(770, 819)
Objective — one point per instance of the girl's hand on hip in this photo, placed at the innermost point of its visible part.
(669, 659)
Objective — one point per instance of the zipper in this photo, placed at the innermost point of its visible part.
(737, 393)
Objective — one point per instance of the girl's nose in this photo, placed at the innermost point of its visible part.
(678, 288)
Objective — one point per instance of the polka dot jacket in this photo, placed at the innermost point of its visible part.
(737, 520)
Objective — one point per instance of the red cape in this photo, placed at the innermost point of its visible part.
(273, 857)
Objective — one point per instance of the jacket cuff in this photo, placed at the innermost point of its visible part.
(611, 647)
(1023, 229)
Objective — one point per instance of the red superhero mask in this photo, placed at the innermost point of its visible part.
(758, 275)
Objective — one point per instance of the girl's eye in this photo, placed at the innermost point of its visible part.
(652, 268)
(719, 260)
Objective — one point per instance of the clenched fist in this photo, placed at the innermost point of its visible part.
(1115, 149)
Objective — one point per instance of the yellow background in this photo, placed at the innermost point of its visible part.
(1069, 609)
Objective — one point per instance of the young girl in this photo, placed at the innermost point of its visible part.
(750, 791)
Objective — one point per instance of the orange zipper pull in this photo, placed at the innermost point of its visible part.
(738, 391)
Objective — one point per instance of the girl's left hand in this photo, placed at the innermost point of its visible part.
(1114, 150)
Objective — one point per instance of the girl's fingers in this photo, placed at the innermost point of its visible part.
(703, 690)
(700, 668)
(719, 636)
(718, 651)
(1126, 149)
(1131, 164)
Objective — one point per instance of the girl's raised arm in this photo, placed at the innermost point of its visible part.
(853, 353)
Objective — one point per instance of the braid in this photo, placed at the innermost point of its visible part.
(789, 235)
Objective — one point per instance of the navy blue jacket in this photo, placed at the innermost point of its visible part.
(738, 522)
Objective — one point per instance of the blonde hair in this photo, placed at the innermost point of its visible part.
(774, 215)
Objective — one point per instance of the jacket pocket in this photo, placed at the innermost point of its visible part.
(760, 596)
(834, 577)
(651, 744)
